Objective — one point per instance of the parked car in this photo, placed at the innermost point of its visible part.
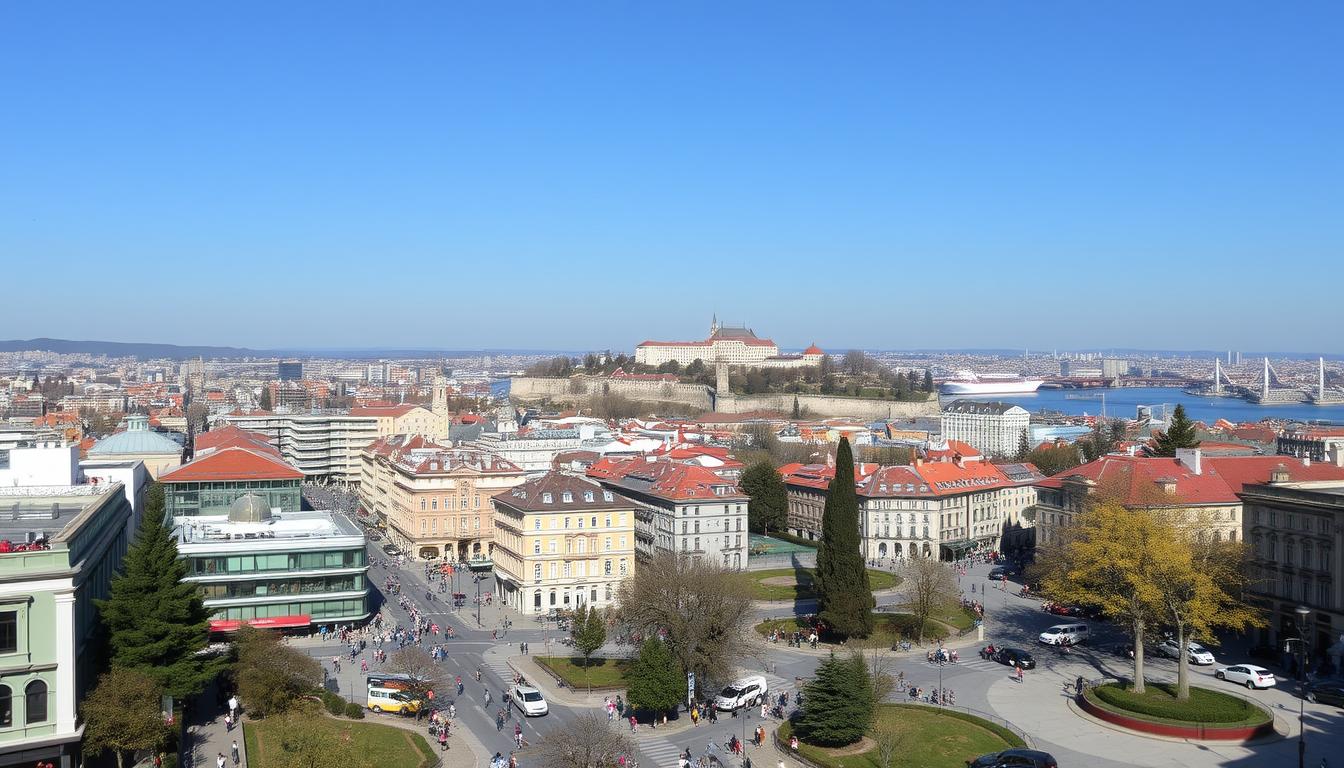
(529, 700)
(1197, 653)
(391, 550)
(1124, 650)
(1060, 634)
(1248, 675)
(1001, 573)
(1010, 656)
(1326, 692)
(1060, 609)
(743, 692)
(1014, 758)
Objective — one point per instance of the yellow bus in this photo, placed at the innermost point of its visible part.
(392, 700)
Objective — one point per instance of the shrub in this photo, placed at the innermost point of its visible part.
(1203, 706)
(334, 704)
(354, 711)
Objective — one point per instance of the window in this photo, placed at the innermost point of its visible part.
(566, 570)
(424, 526)
(536, 524)
(580, 522)
(608, 521)
(607, 544)
(478, 500)
(566, 523)
(588, 496)
(606, 567)
(551, 547)
(6, 706)
(567, 497)
(546, 498)
(623, 566)
(536, 572)
(9, 632)
(464, 502)
(36, 704)
(606, 496)
(536, 549)
(422, 505)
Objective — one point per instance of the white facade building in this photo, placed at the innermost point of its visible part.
(732, 345)
(994, 429)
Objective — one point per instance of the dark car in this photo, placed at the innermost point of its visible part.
(1010, 656)
(1015, 758)
(1001, 572)
(1326, 692)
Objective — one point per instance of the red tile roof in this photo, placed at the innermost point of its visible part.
(1220, 479)
(232, 463)
(668, 479)
(230, 435)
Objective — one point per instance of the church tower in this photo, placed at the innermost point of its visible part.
(440, 404)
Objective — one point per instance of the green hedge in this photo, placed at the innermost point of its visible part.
(786, 536)
(354, 711)
(1159, 701)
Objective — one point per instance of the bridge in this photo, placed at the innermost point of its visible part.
(1078, 382)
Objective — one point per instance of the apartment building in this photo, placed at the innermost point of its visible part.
(562, 541)
(1203, 487)
(682, 508)
(1295, 531)
(59, 547)
(994, 429)
(435, 501)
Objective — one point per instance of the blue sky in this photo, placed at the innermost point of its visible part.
(587, 175)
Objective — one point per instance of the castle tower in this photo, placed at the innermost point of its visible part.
(721, 376)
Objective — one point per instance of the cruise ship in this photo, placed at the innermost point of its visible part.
(967, 383)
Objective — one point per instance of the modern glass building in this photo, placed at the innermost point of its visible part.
(275, 568)
(245, 464)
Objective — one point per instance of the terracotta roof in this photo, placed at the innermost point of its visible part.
(449, 461)
(813, 350)
(230, 435)
(1220, 479)
(673, 480)
(390, 444)
(232, 463)
(819, 476)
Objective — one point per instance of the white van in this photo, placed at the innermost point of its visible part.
(1059, 634)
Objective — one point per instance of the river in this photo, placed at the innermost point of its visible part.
(1124, 402)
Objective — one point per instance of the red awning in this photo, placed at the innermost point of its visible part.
(268, 622)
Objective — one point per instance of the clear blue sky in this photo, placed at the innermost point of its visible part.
(587, 175)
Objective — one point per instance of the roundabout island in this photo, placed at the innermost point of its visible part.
(1207, 715)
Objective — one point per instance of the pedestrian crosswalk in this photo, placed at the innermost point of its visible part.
(659, 752)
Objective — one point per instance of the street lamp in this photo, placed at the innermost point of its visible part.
(1301, 622)
(478, 599)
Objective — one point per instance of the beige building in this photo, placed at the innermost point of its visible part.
(434, 501)
(137, 442)
(728, 344)
(562, 542)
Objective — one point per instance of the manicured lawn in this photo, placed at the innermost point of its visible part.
(391, 745)
(1158, 702)
(604, 673)
(888, 628)
(958, 618)
(932, 738)
(801, 589)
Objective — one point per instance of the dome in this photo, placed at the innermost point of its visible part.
(250, 509)
(812, 350)
(137, 439)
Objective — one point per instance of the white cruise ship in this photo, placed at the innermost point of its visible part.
(967, 383)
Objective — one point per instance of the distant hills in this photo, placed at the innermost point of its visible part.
(178, 352)
(123, 349)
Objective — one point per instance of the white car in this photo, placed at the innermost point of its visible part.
(1248, 675)
(1197, 653)
(1065, 634)
(529, 700)
(743, 692)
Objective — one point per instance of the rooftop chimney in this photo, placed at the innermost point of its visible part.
(1190, 459)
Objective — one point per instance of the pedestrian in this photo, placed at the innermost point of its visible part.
(234, 752)
(695, 716)
(233, 705)
(1078, 686)
(219, 760)
(634, 724)
(228, 722)
(1019, 672)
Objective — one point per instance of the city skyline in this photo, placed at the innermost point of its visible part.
(1035, 177)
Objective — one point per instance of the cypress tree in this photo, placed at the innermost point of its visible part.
(844, 598)
(1180, 434)
(155, 621)
(839, 703)
(1023, 446)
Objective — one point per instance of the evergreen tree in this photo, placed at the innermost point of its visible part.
(1023, 446)
(844, 598)
(769, 503)
(839, 705)
(797, 411)
(928, 380)
(1180, 434)
(655, 682)
(155, 621)
(154, 503)
(264, 402)
(589, 631)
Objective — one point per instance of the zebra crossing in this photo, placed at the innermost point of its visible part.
(659, 752)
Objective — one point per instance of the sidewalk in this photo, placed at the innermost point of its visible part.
(207, 737)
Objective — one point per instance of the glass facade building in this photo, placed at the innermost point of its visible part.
(190, 499)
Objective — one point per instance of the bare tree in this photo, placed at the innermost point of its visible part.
(930, 588)
(704, 610)
(890, 738)
(880, 665)
(424, 674)
(587, 742)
